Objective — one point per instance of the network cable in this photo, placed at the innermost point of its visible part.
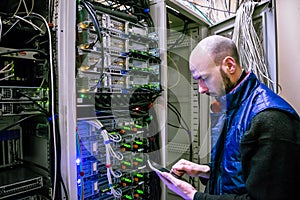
(108, 138)
(249, 45)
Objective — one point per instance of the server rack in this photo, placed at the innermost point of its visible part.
(113, 66)
(28, 128)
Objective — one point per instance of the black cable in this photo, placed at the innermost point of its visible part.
(213, 8)
(18, 122)
(35, 102)
(64, 188)
(179, 118)
(179, 127)
(178, 114)
(89, 7)
(181, 37)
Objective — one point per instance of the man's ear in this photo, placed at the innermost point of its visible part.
(229, 64)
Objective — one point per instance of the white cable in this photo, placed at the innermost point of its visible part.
(17, 10)
(0, 28)
(249, 45)
(108, 138)
(32, 24)
(32, 6)
(25, 6)
(6, 77)
(3, 70)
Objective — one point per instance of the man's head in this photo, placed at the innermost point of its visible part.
(215, 64)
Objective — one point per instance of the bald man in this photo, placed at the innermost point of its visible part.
(257, 151)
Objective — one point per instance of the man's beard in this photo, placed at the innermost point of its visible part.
(227, 83)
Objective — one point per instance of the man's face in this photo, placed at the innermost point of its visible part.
(212, 79)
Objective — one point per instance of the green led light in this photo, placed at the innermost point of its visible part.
(138, 142)
(127, 180)
(126, 163)
(140, 175)
(138, 126)
(140, 191)
(139, 159)
(150, 118)
(128, 197)
(104, 190)
(126, 145)
(126, 128)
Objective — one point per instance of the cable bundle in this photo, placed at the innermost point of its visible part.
(249, 45)
(108, 138)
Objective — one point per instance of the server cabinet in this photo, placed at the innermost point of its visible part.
(28, 120)
(110, 66)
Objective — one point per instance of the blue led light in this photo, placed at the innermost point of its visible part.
(146, 10)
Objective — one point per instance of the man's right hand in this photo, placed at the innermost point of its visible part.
(192, 169)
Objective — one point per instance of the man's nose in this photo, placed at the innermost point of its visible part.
(202, 87)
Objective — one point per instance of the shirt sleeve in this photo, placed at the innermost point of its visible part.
(270, 152)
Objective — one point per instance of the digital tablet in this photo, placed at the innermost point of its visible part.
(158, 168)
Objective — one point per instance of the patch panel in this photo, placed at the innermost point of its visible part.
(18, 180)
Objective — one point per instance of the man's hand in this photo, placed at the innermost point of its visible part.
(192, 169)
(182, 188)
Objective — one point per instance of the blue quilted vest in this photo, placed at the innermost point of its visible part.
(239, 106)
